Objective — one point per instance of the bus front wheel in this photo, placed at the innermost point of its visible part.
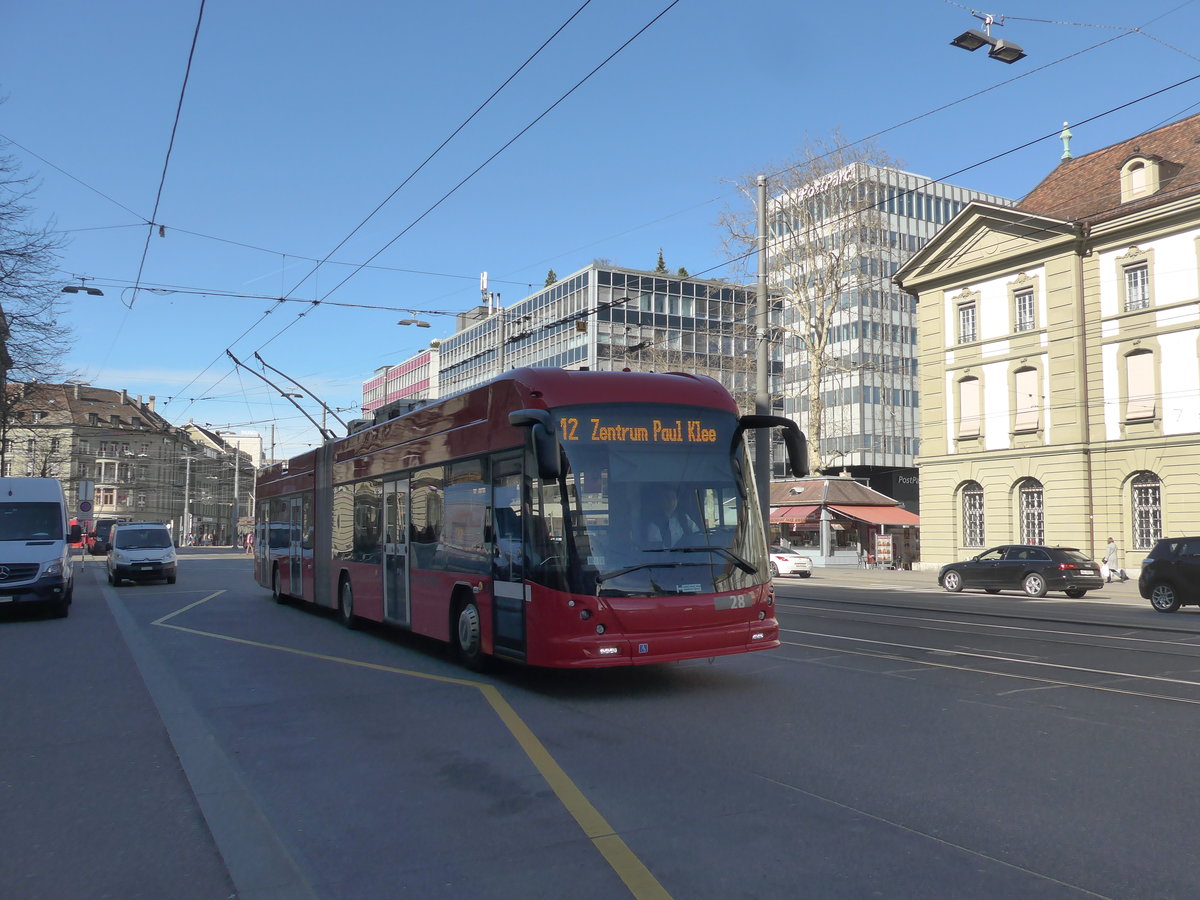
(469, 636)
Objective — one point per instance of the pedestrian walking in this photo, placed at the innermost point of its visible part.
(1110, 562)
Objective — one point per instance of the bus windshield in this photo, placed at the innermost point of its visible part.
(651, 500)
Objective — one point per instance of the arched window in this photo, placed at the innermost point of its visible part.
(1031, 511)
(1146, 488)
(972, 514)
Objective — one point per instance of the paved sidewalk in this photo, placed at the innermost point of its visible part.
(917, 579)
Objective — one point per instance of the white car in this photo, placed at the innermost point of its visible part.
(785, 561)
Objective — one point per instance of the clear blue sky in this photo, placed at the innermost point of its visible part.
(301, 117)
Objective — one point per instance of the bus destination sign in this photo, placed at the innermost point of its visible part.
(651, 430)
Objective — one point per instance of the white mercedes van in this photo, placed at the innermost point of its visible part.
(35, 544)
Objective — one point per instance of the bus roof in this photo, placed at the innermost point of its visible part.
(476, 419)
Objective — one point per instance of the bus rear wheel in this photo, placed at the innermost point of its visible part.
(276, 593)
(346, 605)
(468, 636)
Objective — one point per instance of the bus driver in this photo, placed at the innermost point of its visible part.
(665, 524)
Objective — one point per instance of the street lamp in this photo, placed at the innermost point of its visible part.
(972, 39)
(420, 323)
(82, 288)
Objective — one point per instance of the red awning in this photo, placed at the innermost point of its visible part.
(792, 513)
(879, 515)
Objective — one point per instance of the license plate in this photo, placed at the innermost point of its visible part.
(146, 568)
(1087, 571)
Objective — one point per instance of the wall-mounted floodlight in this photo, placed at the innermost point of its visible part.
(972, 39)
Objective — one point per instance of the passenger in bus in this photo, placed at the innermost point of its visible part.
(508, 549)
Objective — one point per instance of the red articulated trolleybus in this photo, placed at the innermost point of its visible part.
(521, 520)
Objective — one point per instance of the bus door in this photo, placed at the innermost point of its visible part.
(296, 548)
(397, 604)
(508, 556)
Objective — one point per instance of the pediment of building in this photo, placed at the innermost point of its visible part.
(983, 237)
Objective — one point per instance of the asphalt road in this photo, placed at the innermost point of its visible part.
(197, 740)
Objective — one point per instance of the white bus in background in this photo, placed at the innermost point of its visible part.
(35, 544)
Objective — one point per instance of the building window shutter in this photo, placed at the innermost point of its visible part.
(1028, 401)
(968, 408)
(1139, 386)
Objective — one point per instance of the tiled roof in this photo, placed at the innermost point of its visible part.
(69, 404)
(1089, 188)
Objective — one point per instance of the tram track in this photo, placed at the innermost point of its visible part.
(1110, 656)
(1125, 641)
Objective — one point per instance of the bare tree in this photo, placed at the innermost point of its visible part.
(677, 351)
(30, 286)
(822, 220)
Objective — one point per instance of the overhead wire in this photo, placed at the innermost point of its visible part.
(743, 256)
(411, 175)
(170, 146)
(360, 266)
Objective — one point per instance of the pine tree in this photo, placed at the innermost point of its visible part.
(661, 268)
(683, 273)
(551, 277)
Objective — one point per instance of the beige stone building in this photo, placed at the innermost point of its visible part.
(114, 451)
(1059, 349)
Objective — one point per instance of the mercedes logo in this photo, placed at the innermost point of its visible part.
(4, 573)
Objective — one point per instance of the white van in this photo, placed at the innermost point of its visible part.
(35, 544)
(140, 551)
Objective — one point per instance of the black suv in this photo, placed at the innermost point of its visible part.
(1171, 574)
(1031, 568)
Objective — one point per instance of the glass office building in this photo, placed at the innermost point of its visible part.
(869, 384)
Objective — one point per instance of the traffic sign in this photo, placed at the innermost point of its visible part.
(85, 506)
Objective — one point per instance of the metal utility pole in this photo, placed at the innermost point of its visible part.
(237, 506)
(187, 501)
(762, 388)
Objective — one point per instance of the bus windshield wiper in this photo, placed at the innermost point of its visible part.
(617, 573)
(727, 553)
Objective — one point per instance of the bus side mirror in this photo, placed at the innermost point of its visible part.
(793, 439)
(545, 441)
(76, 534)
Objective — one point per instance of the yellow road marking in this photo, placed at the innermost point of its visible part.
(640, 881)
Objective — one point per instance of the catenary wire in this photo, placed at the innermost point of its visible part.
(170, 146)
(411, 175)
(332, 303)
